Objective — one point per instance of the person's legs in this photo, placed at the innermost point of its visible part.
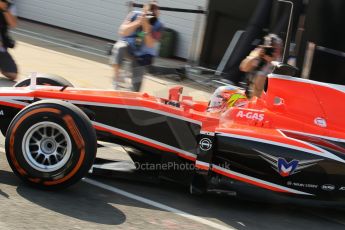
(259, 84)
(138, 69)
(8, 66)
(138, 72)
(119, 52)
(11, 76)
(116, 72)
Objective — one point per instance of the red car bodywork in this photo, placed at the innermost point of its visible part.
(296, 114)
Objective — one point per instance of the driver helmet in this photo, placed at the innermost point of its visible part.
(226, 97)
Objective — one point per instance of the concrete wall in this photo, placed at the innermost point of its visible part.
(103, 17)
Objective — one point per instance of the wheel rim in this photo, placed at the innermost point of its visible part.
(46, 146)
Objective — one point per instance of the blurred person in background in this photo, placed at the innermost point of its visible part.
(140, 34)
(8, 20)
(260, 63)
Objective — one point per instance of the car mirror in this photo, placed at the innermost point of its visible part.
(175, 93)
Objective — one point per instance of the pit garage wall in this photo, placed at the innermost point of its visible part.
(102, 18)
(324, 27)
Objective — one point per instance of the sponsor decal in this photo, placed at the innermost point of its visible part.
(302, 185)
(328, 187)
(205, 144)
(342, 189)
(2, 113)
(251, 115)
(287, 168)
(319, 121)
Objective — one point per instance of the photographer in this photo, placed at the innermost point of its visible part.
(140, 33)
(8, 20)
(259, 62)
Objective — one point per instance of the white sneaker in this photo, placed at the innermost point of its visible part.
(121, 86)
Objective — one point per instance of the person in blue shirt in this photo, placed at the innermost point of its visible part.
(140, 34)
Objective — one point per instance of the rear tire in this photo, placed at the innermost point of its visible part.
(45, 79)
(51, 144)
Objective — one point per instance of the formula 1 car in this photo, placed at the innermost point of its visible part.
(289, 143)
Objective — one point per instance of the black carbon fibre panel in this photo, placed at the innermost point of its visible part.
(261, 161)
(171, 131)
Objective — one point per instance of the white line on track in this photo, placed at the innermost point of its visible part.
(56, 39)
(154, 204)
(157, 205)
(59, 44)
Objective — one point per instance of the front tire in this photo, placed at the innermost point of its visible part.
(51, 144)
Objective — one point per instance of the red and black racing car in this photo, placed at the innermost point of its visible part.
(289, 143)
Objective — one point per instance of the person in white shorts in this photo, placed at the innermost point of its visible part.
(140, 33)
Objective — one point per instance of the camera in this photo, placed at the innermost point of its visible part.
(151, 13)
(268, 50)
(151, 17)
